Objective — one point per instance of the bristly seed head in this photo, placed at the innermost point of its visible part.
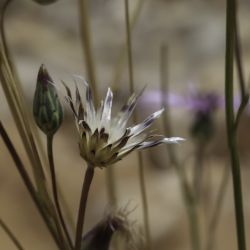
(100, 236)
(104, 140)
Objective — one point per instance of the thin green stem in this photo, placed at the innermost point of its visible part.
(238, 55)
(129, 48)
(11, 235)
(188, 197)
(119, 65)
(111, 187)
(144, 201)
(199, 169)
(194, 225)
(239, 66)
(54, 188)
(26, 179)
(84, 22)
(217, 209)
(231, 132)
(140, 158)
(2, 21)
(83, 203)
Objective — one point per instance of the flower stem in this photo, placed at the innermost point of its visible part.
(140, 158)
(83, 203)
(231, 131)
(11, 235)
(54, 188)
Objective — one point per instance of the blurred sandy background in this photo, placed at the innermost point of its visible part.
(194, 32)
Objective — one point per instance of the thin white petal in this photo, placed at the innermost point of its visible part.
(123, 116)
(146, 123)
(89, 98)
(90, 109)
(106, 112)
(173, 140)
(154, 143)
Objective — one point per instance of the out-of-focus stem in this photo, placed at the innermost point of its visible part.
(84, 23)
(83, 203)
(26, 179)
(217, 210)
(240, 71)
(199, 169)
(11, 235)
(188, 197)
(111, 187)
(118, 68)
(230, 123)
(54, 188)
(140, 158)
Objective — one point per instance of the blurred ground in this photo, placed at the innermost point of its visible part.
(194, 32)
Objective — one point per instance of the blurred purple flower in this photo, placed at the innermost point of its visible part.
(194, 100)
(204, 102)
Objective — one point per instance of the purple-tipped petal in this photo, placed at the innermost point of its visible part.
(146, 123)
(68, 98)
(123, 116)
(171, 140)
(79, 105)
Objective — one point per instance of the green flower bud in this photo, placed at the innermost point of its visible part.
(47, 108)
(44, 2)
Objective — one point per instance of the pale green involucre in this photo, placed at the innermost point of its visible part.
(47, 109)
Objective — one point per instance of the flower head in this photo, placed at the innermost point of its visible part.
(105, 140)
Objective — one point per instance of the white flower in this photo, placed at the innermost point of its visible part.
(104, 140)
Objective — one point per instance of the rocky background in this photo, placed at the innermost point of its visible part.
(194, 32)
